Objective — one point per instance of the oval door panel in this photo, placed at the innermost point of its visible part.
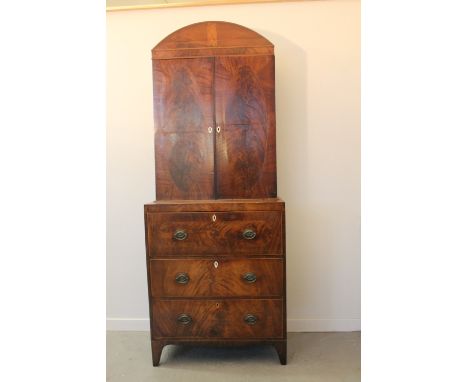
(245, 148)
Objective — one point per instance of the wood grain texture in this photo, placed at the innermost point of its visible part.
(245, 110)
(223, 236)
(225, 280)
(212, 188)
(212, 52)
(211, 38)
(234, 94)
(183, 111)
(218, 318)
(219, 205)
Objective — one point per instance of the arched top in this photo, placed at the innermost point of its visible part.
(212, 38)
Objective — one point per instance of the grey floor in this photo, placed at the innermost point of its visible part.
(312, 357)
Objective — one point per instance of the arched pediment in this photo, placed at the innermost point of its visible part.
(212, 38)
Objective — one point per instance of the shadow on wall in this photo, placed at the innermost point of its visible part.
(292, 162)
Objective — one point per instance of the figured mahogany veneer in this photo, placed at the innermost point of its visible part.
(218, 318)
(214, 118)
(209, 233)
(184, 279)
(245, 109)
(183, 110)
(212, 39)
(220, 205)
(215, 236)
(212, 277)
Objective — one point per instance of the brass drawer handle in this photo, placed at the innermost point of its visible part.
(180, 234)
(249, 277)
(184, 319)
(249, 234)
(182, 278)
(250, 319)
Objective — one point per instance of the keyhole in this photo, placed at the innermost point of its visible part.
(213, 217)
(217, 304)
(215, 264)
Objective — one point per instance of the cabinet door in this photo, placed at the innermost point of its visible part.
(245, 114)
(183, 113)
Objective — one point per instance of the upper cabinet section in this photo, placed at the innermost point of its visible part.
(212, 38)
(214, 114)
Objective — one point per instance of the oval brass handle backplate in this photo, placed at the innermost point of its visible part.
(180, 234)
(182, 278)
(250, 319)
(184, 319)
(249, 234)
(249, 277)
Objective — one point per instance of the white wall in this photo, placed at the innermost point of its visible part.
(318, 152)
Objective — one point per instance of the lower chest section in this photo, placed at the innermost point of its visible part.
(216, 274)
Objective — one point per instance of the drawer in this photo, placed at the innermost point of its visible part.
(209, 233)
(216, 277)
(218, 318)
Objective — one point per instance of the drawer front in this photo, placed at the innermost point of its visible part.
(209, 233)
(216, 277)
(218, 318)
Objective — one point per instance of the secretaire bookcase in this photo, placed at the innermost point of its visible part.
(215, 236)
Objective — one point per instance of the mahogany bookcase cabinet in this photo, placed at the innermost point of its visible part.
(215, 236)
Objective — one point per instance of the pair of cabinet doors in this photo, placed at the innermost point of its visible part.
(215, 127)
